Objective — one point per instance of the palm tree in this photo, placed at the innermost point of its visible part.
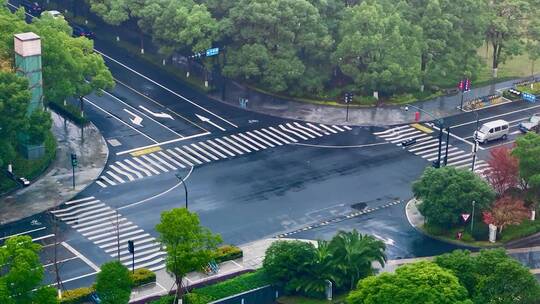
(318, 270)
(352, 256)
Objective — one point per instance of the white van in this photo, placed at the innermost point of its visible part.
(492, 130)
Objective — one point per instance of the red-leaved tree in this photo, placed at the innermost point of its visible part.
(506, 211)
(503, 173)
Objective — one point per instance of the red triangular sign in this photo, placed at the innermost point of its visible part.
(465, 216)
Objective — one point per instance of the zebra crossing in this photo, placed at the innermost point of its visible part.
(427, 146)
(203, 152)
(110, 231)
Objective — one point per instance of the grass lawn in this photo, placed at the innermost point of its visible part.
(303, 300)
(517, 67)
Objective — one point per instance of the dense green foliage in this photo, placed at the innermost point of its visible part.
(189, 245)
(304, 46)
(301, 267)
(527, 151)
(447, 192)
(492, 277)
(227, 253)
(77, 296)
(418, 283)
(142, 276)
(22, 273)
(113, 283)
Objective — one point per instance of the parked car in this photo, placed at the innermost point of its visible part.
(492, 130)
(32, 8)
(54, 14)
(533, 124)
(23, 181)
(80, 31)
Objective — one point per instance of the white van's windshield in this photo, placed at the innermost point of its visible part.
(484, 129)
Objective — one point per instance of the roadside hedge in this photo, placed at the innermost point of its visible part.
(227, 253)
(77, 296)
(142, 276)
(69, 111)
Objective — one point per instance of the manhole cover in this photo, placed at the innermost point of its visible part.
(359, 206)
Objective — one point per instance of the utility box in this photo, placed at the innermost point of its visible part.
(492, 233)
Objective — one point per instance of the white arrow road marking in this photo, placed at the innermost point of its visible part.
(160, 115)
(205, 119)
(136, 120)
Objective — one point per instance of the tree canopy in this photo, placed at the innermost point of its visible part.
(113, 283)
(448, 192)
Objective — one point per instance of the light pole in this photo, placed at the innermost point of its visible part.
(183, 182)
(472, 217)
(475, 142)
(439, 122)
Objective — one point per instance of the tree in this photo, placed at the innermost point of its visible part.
(113, 283)
(527, 151)
(503, 172)
(353, 255)
(506, 211)
(189, 245)
(448, 192)
(421, 282)
(505, 29)
(21, 273)
(533, 42)
(492, 276)
(378, 48)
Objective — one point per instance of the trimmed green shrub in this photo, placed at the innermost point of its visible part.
(231, 287)
(76, 296)
(69, 111)
(142, 276)
(526, 228)
(195, 298)
(227, 253)
(163, 300)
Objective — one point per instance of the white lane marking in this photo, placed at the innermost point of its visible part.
(122, 172)
(213, 150)
(251, 140)
(268, 137)
(272, 135)
(161, 160)
(458, 157)
(116, 177)
(21, 233)
(417, 136)
(48, 236)
(454, 151)
(347, 128)
(91, 223)
(299, 130)
(174, 161)
(165, 88)
(292, 132)
(139, 247)
(139, 175)
(93, 202)
(341, 147)
(147, 166)
(139, 253)
(196, 154)
(61, 261)
(159, 115)
(180, 157)
(188, 155)
(338, 128)
(207, 120)
(115, 117)
(334, 131)
(114, 231)
(205, 152)
(426, 144)
(103, 185)
(145, 265)
(431, 149)
(80, 256)
(80, 210)
(495, 116)
(228, 146)
(136, 119)
(398, 132)
(401, 135)
(283, 134)
(129, 162)
(122, 240)
(162, 143)
(153, 163)
(234, 143)
(307, 129)
(450, 148)
(87, 215)
(467, 160)
(260, 139)
(124, 246)
(240, 140)
(148, 257)
(219, 147)
(80, 200)
(108, 180)
(122, 235)
(109, 227)
(318, 129)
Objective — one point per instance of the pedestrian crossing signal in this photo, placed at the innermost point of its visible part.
(74, 160)
(131, 247)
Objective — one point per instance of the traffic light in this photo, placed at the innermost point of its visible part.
(74, 160)
(348, 97)
(131, 247)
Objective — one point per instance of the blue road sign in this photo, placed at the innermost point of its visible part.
(212, 52)
(529, 97)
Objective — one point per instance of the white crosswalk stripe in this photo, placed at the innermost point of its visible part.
(110, 231)
(230, 145)
(427, 146)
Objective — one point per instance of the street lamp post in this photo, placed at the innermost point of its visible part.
(439, 123)
(183, 182)
(472, 217)
(475, 142)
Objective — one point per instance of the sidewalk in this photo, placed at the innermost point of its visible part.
(55, 186)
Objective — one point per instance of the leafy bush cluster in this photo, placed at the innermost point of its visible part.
(301, 267)
(227, 253)
(69, 111)
(77, 296)
(142, 276)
